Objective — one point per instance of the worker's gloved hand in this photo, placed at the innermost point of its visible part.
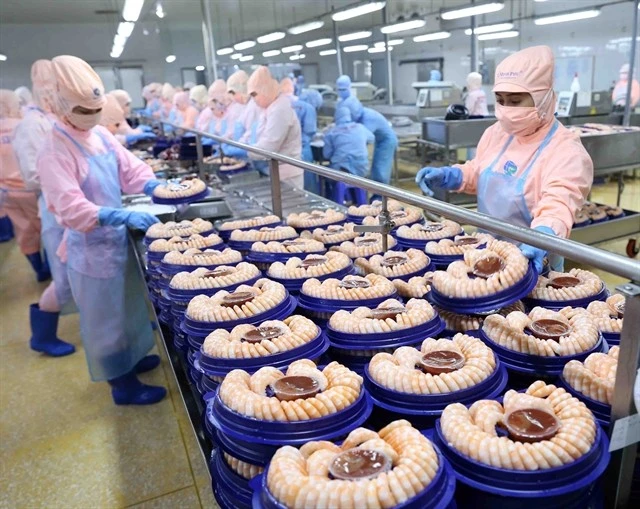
(108, 216)
(151, 185)
(208, 141)
(145, 128)
(446, 177)
(136, 137)
(230, 151)
(535, 253)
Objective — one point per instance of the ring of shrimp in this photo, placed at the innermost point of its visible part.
(195, 257)
(268, 294)
(349, 288)
(295, 331)
(399, 217)
(252, 222)
(312, 266)
(183, 189)
(596, 376)
(373, 209)
(182, 229)
(607, 314)
(463, 323)
(472, 431)
(394, 264)
(314, 218)
(417, 287)
(242, 468)
(288, 247)
(458, 281)
(203, 278)
(399, 371)
(590, 284)
(300, 479)
(264, 233)
(333, 234)
(430, 231)
(249, 394)
(448, 247)
(360, 320)
(182, 244)
(509, 332)
(365, 246)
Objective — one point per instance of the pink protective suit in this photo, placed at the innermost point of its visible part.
(619, 95)
(186, 114)
(19, 203)
(554, 169)
(476, 101)
(286, 86)
(113, 117)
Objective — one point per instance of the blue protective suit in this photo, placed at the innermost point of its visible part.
(386, 140)
(346, 144)
(343, 86)
(308, 126)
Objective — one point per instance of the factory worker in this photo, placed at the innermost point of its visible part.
(435, 76)
(386, 140)
(345, 145)
(279, 129)
(83, 172)
(529, 169)
(343, 87)
(313, 97)
(218, 102)
(476, 100)
(186, 114)
(28, 140)
(18, 202)
(236, 87)
(112, 117)
(299, 84)
(199, 97)
(25, 97)
(166, 96)
(204, 117)
(619, 96)
(246, 126)
(151, 94)
(127, 134)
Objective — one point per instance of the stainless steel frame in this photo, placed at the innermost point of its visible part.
(620, 473)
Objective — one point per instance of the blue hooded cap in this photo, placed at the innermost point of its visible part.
(343, 116)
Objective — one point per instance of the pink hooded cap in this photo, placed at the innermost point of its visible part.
(181, 100)
(9, 104)
(261, 82)
(286, 86)
(168, 92)
(122, 96)
(112, 112)
(237, 82)
(530, 71)
(43, 84)
(217, 89)
(77, 84)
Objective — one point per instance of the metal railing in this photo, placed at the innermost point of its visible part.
(620, 473)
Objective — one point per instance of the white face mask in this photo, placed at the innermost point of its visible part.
(84, 122)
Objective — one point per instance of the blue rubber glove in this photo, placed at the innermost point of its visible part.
(151, 185)
(208, 141)
(446, 177)
(145, 128)
(230, 151)
(535, 253)
(133, 138)
(108, 216)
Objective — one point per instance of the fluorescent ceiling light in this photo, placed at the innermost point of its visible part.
(298, 57)
(472, 10)
(354, 36)
(119, 40)
(199, 67)
(246, 58)
(401, 27)
(244, 45)
(318, 42)
(273, 36)
(159, 10)
(327, 52)
(3, 57)
(224, 51)
(432, 37)
(131, 9)
(379, 49)
(305, 27)
(569, 16)
(487, 29)
(292, 49)
(125, 28)
(499, 35)
(540, 1)
(170, 59)
(236, 56)
(357, 47)
(116, 52)
(392, 42)
(360, 10)
(271, 53)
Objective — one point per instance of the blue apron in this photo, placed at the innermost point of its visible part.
(501, 195)
(114, 320)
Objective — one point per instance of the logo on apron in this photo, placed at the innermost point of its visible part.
(510, 168)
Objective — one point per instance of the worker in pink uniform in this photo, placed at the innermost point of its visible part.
(279, 129)
(18, 202)
(125, 133)
(83, 171)
(476, 100)
(112, 116)
(206, 114)
(236, 88)
(529, 169)
(218, 102)
(151, 93)
(186, 114)
(619, 95)
(167, 111)
(27, 143)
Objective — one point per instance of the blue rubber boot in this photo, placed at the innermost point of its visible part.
(128, 390)
(6, 229)
(40, 266)
(147, 363)
(44, 326)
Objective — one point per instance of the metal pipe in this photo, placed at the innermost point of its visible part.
(200, 154)
(338, 53)
(276, 190)
(385, 17)
(474, 46)
(610, 262)
(209, 42)
(626, 118)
